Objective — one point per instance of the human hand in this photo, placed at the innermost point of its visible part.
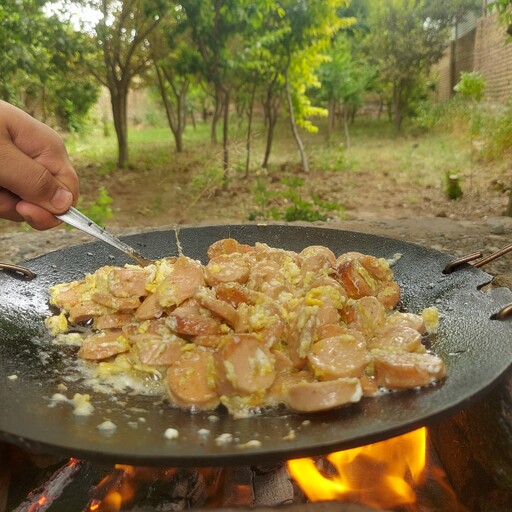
(37, 179)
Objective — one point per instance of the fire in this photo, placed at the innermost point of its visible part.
(121, 485)
(381, 475)
(385, 475)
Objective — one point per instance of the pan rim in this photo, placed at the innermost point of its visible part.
(253, 455)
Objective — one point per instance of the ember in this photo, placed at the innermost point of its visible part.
(401, 474)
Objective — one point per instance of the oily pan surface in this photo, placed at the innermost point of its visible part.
(476, 350)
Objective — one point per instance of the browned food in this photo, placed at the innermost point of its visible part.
(254, 327)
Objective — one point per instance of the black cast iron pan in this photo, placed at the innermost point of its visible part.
(476, 349)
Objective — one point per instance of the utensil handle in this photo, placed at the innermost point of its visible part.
(78, 220)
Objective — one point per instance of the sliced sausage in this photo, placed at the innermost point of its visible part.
(234, 294)
(278, 392)
(317, 259)
(227, 268)
(398, 338)
(86, 310)
(189, 380)
(227, 246)
(208, 340)
(366, 276)
(322, 396)
(155, 350)
(190, 319)
(103, 345)
(407, 370)
(206, 298)
(128, 282)
(243, 365)
(185, 277)
(66, 295)
(150, 308)
(321, 251)
(366, 315)
(117, 304)
(112, 321)
(411, 320)
(266, 276)
(330, 330)
(339, 356)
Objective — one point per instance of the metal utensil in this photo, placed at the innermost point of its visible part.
(78, 220)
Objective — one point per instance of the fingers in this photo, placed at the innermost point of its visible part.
(37, 217)
(31, 181)
(35, 169)
(8, 203)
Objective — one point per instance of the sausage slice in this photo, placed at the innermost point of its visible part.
(322, 396)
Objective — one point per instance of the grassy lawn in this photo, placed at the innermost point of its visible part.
(381, 174)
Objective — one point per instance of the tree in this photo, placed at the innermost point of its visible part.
(21, 26)
(311, 25)
(215, 27)
(504, 10)
(293, 45)
(345, 78)
(406, 38)
(44, 63)
(69, 88)
(122, 37)
(176, 64)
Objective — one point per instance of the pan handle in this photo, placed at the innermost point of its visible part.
(503, 313)
(506, 311)
(18, 270)
(455, 264)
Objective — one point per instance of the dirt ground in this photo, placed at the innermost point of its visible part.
(148, 200)
(376, 203)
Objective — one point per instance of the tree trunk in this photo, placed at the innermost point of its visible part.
(397, 108)
(118, 99)
(249, 131)
(176, 116)
(331, 109)
(225, 136)
(193, 119)
(293, 125)
(216, 114)
(271, 108)
(346, 115)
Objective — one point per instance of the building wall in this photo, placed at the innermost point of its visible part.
(486, 48)
(493, 58)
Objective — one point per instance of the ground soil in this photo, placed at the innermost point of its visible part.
(374, 203)
(146, 198)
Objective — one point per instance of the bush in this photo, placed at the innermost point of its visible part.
(100, 210)
(452, 116)
(497, 135)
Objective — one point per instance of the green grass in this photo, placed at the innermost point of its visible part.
(373, 143)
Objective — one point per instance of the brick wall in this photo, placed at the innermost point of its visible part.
(488, 49)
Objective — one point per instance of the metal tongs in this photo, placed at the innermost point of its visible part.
(78, 220)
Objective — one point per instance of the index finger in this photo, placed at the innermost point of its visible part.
(30, 180)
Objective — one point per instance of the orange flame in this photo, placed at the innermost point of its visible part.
(381, 475)
(120, 490)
